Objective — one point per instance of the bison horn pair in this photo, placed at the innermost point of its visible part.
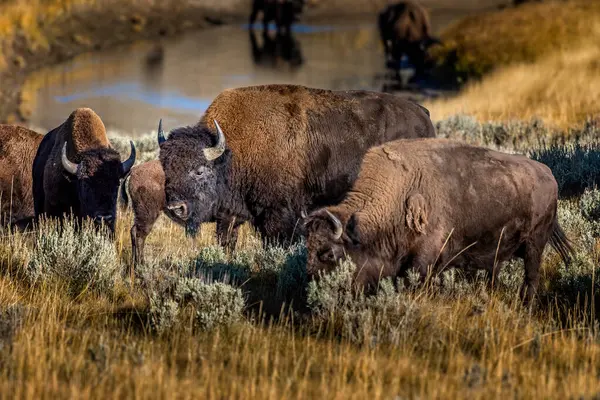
(212, 153)
(337, 233)
(71, 167)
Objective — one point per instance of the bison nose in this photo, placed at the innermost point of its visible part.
(179, 209)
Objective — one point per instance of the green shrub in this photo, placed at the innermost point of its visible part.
(215, 304)
(81, 258)
(576, 167)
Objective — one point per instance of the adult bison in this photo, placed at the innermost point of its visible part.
(283, 12)
(144, 189)
(17, 150)
(405, 30)
(435, 204)
(75, 170)
(282, 149)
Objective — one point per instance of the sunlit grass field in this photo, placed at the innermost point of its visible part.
(196, 322)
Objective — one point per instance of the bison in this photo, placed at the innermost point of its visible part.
(18, 146)
(283, 12)
(428, 205)
(405, 30)
(76, 171)
(144, 189)
(281, 149)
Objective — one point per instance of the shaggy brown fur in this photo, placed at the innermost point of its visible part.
(436, 204)
(144, 188)
(289, 149)
(92, 190)
(18, 146)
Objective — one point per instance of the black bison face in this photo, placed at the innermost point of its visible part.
(326, 242)
(97, 179)
(195, 162)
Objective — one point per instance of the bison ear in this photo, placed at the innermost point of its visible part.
(352, 230)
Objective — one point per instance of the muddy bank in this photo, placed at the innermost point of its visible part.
(95, 29)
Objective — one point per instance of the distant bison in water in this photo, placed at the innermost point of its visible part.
(421, 204)
(144, 189)
(75, 170)
(282, 149)
(283, 12)
(17, 151)
(405, 30)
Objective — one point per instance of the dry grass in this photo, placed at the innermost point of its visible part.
(562, 89)
(479, 43)
(540, 61)
(451, 343)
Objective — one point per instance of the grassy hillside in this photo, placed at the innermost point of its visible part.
(538, 61)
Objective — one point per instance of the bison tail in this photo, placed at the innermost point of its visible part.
(124, 196)
(561, 244)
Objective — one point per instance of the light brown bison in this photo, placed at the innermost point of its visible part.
(435, 204)
(18, 146)
(144, 189)
(282, 149)
(405, 29)
(76, 171)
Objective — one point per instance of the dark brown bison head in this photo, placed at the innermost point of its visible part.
(326, 242)
(97, 178)
(196, 164)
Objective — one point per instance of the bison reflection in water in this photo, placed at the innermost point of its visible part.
(76, 171)
(284, 47)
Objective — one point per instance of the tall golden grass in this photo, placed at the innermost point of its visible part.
(471, 345)
(562, 89)
(539, 60)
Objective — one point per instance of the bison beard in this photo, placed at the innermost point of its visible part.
(428, 205)
(76, 171)
(287, 149)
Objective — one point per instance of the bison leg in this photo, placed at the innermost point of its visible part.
(280, 227)
(533, 259)
(138, 242)
(227, 232)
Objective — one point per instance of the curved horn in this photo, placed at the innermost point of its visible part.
(69, 166)
(337, 224)
(161, 133)
(127, 164)
(212, 153)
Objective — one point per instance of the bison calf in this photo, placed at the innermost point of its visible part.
(144, 189)
(432, 204)
(17, 151)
